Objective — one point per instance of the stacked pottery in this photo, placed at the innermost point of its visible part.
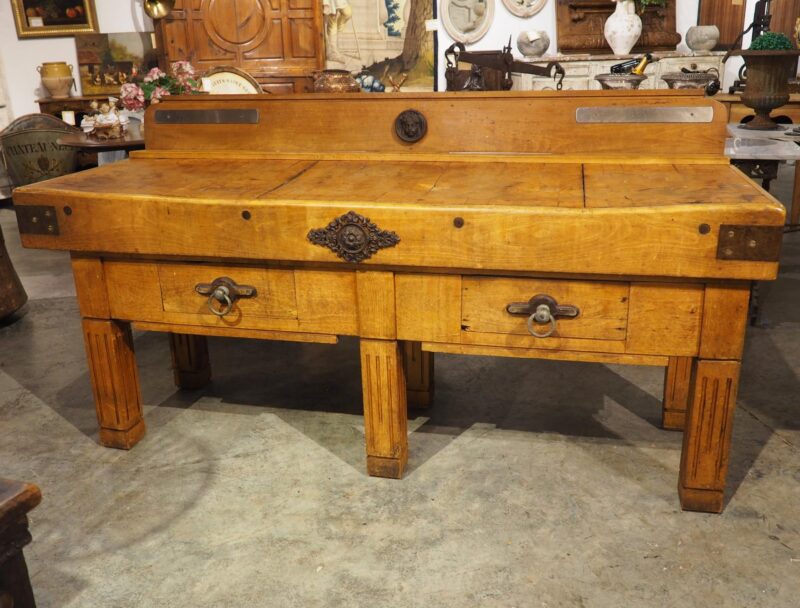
(623, 28)
(57, 78)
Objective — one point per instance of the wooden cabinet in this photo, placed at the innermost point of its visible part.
(579, 27)
(727, 15)
(80, 105)
(279, 42)
(581, 69)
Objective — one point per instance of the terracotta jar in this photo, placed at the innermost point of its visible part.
(57, 78)
(335, 81)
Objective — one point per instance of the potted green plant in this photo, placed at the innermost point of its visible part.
(769, 63)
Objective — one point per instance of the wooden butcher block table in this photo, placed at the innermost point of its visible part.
(585, 226)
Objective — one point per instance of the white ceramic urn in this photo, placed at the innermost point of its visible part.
(623, 28)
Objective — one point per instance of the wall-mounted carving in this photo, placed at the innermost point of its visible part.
(580, 27)
(524, 8)
(467, 21)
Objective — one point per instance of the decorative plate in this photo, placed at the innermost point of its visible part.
(228, 80)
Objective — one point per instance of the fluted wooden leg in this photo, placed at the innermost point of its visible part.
(115, 382)
(795, 211)
(190, 364)
(385, 418)
(677, 380)
(707, 436)
(418, 366)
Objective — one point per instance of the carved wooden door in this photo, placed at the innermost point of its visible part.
(784, 16)
(279, 42)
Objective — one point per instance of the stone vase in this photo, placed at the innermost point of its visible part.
(57, 78)
(623, 28)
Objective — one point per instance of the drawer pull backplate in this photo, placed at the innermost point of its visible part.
(222, 293)
(541, 310)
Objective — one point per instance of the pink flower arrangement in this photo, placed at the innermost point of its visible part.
(182, 69)
(156, 85)
(132, 97)
(158, 94)
(153, 75)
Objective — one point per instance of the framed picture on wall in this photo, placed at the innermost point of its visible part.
(387, 40)
(42, 18)
(107, 61)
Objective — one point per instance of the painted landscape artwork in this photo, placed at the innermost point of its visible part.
(107, 61)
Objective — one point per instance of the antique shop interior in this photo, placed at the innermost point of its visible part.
(399, 303)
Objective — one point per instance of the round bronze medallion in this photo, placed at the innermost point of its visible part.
(352, 238)
(410, 126)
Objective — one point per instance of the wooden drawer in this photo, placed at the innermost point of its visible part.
(603, 310)
(287, 300)
(616, 317)
(275, 292)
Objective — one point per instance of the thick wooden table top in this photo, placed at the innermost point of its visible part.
(613, 218)
(566, 185)
(570, 183)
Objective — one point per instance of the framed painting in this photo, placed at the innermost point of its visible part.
(107, 61)
(387, 40)
(42, 18)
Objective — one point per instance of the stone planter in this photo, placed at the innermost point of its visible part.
(767, 83)
(627, 82)
(12, 294)
(690, 80)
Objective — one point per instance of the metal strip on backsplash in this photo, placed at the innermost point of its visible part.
(628, 114)
(232, 116)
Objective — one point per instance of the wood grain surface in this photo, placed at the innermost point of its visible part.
(541, 122)
(507, 196)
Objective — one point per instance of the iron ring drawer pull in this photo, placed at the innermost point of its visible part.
(224, 291)
(542, 309)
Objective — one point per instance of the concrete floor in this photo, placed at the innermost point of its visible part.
(530, 483)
